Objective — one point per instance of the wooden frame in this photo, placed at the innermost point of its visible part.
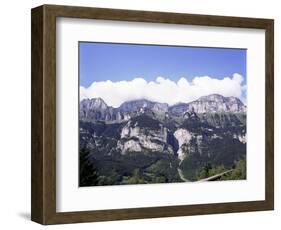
(43, 208)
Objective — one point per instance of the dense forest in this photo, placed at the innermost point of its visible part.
(136, 168)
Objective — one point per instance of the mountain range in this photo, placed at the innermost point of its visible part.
(96, 109)
(143, 141)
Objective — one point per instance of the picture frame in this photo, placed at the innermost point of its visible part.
(44, 122)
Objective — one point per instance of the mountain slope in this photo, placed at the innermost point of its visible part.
(150, 142)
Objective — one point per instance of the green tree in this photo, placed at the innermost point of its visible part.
(204, 172)
(87, 173)
(104, 180)
(239, 171)
(136, 178)
(209, 170)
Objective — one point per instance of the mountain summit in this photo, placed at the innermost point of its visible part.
(135, 105)
(216, 103)
(97, 109)
(213, 103)
(94, 103)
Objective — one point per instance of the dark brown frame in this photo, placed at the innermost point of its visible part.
(43, 189)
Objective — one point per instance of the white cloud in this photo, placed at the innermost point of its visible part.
(164, 89)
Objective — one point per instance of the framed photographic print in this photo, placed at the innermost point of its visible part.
(141, 114)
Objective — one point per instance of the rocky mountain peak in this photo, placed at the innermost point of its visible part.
(213, 103)
(220, 99)
(136, 105)
(93, 104)
(96, 108)
(216, 103)
(212, 97)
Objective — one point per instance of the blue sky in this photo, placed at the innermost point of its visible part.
(116, 62)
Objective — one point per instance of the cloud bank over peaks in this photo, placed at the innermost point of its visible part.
(164, 90)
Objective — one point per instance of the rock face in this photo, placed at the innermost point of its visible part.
(183, 137)
(152, 126)
(137, 136)
(210, 104)
(97, 110)
(153, 136)
(216, 103)
(137, 105)
(92, 104)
